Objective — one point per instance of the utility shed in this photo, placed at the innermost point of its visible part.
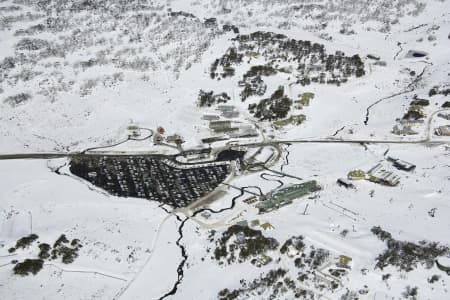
(401, 164)
(345, 183)
(373, 56)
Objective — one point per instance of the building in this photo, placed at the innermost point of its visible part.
(406, 122)
(373, 56)
(380, 63)
(405, 130)
(251, 200)
(415, 54)
(222, 126)
(262, 260)
(213, 139)
(197, 151)
(224, 108)
(157, 138)
(344, 261)
(401, 164)
(442, 130)
(173, 138)
(379, 174)
(444, 116)
(284, 196)
(255, 222)
(245, 133)
(214, 125)
(210, 117)
(160, 130)
(135, 133)
(266, 226)
(242, 223)
(206, 214)
(345, 183)
(356, 175)
(230, 114)
(315, 68)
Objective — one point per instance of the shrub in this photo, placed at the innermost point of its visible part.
(32, 44)
(28, 266)
(44, 249)
(17, 99)
(26, 241)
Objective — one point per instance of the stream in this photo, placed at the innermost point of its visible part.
(410, 88)
(180, 267)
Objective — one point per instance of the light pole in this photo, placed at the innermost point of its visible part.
(31, 222)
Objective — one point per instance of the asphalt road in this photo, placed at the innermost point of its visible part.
(50, 155)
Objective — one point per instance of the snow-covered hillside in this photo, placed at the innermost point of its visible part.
(310, 90)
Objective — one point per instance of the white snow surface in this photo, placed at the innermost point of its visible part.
(111, 65)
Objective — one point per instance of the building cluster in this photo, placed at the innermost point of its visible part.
(284, 196)
(379, 174)
(228, 129)
(159, 137)
(226, 111)
(151, 177)
(412, 118)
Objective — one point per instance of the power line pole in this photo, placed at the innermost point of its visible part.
(31, 222)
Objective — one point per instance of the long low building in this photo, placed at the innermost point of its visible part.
(284, 196)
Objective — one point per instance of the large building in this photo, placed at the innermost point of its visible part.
(222, 126)
(214, 125)
(284, 196)
(379, 174)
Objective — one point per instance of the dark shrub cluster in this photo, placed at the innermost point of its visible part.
(28, 266)
(309, 60)
(62, 248)
(274, 108)
(248, 243)
(407, 255)
(209, 99)
(295, 241)
(17, 99)
(26, 241)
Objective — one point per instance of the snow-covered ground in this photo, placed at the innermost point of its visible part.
(75, 74)
(118, 235)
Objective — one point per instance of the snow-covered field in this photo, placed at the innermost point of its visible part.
(74, 74)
